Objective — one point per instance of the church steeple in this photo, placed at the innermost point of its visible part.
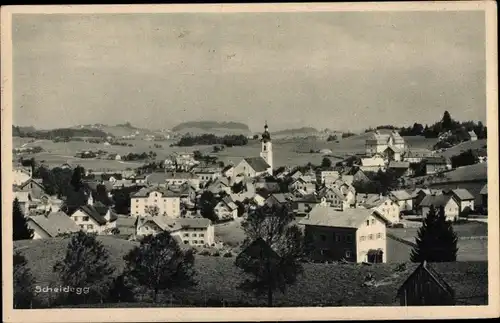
(267, 148)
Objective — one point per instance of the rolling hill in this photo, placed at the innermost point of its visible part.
(212, 127)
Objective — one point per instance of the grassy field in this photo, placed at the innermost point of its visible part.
(464, 146)
(218, 278)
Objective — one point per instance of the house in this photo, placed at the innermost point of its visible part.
(415, 156)
(420, 193)
(391, 145)
(303, 205)
(334, 197)
(24, 200)
(372, 164)
(259, 199)
(446, 284)
(278, 199)
(472, 135)
(114, 156)
(191, 231)
(21, 175)
(355, 235)
(51, 225)
(385, 206)
(172, 179)
(269, 185)
(402, 168)
(186, 192)
(304, 183)
(403, 199)
(328, 176)
(435, 165)
(251, 167)
(220, 184)
(183, 161)
(464, 197)
(484, 196)
(206, 174)
(296, 174)
(140, 179)
(228, 171)
(34, 187)
(155, 199)
(95, 217)
(448, 202)
(348, 191)
(226, 209)
(45, 205)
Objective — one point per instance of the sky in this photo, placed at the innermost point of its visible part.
(336, 70)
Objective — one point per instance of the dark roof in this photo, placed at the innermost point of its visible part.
(55, 223)
(327, 216)
(436, 160)
(467, 281)
(256, 250)
(462, 194)
(397, 164)
(96, 213)
(258, 164)
(145, 191)
(435, 200)
(34, 181)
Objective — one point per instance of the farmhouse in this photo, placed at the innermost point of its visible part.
(21, 175)
(172, 178)
(226, 209)
(355, 235)
(463, 196)
(220, 184)
(372, 164)
(279, 199)
(51, 225)
(435, 165)
(448, 202)
(303, 205)
(403, 199)
(472, 136)
(445, 284)
(389, 145)
(303, 183)
(155, 199)
(206, 174)
(95, 217)
(327, 176)
(418, 195)
(34, 187)
(383, 205)
(194, 232)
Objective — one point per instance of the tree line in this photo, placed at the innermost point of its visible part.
(58, 133)
(211, 139)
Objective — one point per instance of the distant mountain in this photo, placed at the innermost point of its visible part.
(31, 132)
(295, 131)
(212, 127)
(18, 131)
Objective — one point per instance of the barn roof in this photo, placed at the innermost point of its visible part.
(258, 164)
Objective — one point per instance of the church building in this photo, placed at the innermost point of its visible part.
(257, 166)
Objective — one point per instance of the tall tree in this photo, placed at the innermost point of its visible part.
(23, 282)
(326, 163)
(76, 179)
(436, 240)
(20, 228)
(447, 122)
(158, 263)
(207, 204)
(86, 265)
(276, 264)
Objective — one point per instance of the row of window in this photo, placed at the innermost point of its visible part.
(338, 237)
(82, 218)
(371, 237)
(194, 242)
(201, 235)
(89, 226)
(368, 222)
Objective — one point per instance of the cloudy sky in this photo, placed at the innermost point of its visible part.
(332, 70)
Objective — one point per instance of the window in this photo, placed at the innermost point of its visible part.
(348, 238)
(367, 222)
(373, 221)
(323, 237)
(90, 226)
(348, 253)
(185, 235)
(85, 218)
(82, 226)
(137, 206)
(362, 238)
(379, 235)
(338, 237)
(186, 242)
(370, 237)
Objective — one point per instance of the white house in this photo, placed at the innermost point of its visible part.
(191, 231)
(356, 235)
(226, 209)
(448, 202)
(161, 200)
(94, 217)
(472, 136)
(220, 184)
(303, 183)
(251, 167)
(372, 164)
(206, 174)
(463, 196)
(390, 145)
(21, 175)
(51, 225)
(385, 206)
(403, 199)
(328, 176)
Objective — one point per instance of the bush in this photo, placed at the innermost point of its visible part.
(228, 254)
(215, 254)
(204, 252)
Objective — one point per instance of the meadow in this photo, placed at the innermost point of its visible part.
(218, 278)
(291, 152)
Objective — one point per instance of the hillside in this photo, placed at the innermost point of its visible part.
(296, 131)
(119, 130)
(322, 284)
(479, 145)
(59, 132)
(213, 127)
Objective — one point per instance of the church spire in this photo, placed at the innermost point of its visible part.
(266, 136)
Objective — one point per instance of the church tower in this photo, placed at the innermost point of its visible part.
(267, 149)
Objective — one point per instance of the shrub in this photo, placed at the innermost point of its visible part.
(215, 254)
(204, 252)
(228, 254)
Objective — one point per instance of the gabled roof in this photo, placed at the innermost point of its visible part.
(256, 250)
(484, 190)
(472, 134)
(324, 191)
(436, 200)
(258, 164)
(37, 182)
(281, 197)
(228, 201)
(397, 164)
(401, 195)
(330, 217)
(434, 276)
(55, 223)
(461, 193)
(95, 212)
(145, 191)
(375, 201)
